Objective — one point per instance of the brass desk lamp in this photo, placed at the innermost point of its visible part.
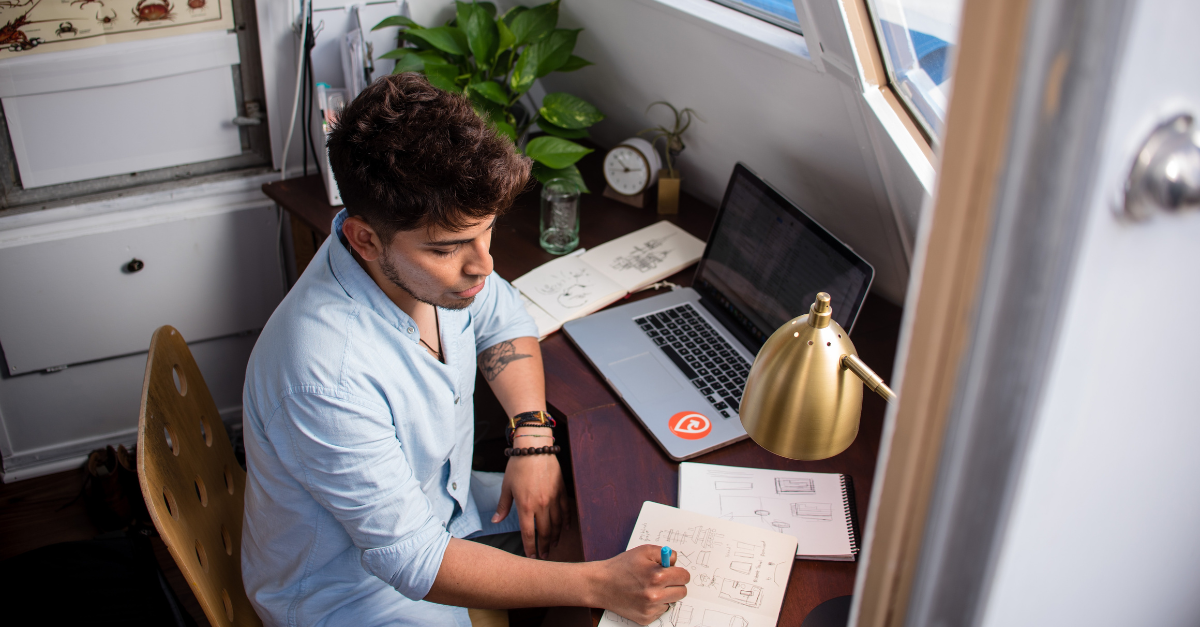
(803, 398)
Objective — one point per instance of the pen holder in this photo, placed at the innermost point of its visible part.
(559, 227)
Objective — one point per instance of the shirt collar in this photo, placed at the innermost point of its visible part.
(361, 287)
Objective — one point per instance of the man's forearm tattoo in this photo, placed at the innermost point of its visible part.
(494, 360)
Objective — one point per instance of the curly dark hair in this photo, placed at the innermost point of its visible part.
(408, 155)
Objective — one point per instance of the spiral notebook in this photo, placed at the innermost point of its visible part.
(815, 508)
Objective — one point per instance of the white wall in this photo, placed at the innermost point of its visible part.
(1103, 530)
(805, 127)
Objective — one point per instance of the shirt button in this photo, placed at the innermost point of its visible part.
(410, 329)
(454, 486)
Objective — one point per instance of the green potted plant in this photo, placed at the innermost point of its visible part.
(493, 60)
(672, 138)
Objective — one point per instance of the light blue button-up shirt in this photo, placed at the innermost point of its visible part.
(359, 446)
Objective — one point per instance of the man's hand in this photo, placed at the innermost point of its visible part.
(635, 585)
(535, 482)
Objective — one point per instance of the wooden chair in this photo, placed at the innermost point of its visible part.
(192, 483)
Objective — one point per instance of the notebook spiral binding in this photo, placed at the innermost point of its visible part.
(848, 502)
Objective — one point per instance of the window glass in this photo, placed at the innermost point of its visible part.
(918, 39)
(778, 12)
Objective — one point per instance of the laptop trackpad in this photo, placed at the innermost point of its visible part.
(645, 378)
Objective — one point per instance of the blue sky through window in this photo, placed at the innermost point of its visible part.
(783, 8)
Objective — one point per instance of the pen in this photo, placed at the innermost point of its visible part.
(666, 557)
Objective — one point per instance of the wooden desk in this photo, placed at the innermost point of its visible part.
(615, 463)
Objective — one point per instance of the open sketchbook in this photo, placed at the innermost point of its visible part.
(739, 573)
(815, 508)
(576, 285)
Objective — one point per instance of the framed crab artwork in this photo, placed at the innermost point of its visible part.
(32, 26)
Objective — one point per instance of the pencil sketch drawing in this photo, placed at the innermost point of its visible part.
(571, 288)
(680, 614)
(789, 485)
(740, 567)
(713, 618)
(813, 511)
(741, 592)
(644, 258)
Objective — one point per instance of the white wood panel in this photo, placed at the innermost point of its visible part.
(69, 300)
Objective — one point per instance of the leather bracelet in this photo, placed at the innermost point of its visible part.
(533, 450)
(528, 419)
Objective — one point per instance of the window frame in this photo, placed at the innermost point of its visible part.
(758, 13)
(876, 72)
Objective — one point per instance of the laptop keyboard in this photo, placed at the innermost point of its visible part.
(704, 357)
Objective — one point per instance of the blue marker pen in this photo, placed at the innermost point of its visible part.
(666, 557)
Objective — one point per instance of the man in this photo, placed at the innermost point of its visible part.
(358, 399)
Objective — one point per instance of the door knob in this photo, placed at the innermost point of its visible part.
(1166, 174)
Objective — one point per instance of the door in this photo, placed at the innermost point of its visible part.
(1058, 423)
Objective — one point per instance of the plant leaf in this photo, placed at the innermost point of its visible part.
(546, 174)
(570, 112)
(555, 152)
(491, 91)
(526, 70)
(445, 38)
(442, 75)
(530, 25)
(480, 30)
(396, 20)
(504, 129)
(556, 49)
(558, 131)
(574, 63)
(397, 53)
(409, 63)
(507, 38)
(490, 8)
(512, 13)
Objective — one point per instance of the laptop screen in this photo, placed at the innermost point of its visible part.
(766, 260)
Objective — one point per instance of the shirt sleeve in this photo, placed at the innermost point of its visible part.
(345, 453)
(498, 315)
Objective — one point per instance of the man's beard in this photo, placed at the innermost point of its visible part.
(389, 271)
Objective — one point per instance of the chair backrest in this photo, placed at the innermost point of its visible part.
(191, 480)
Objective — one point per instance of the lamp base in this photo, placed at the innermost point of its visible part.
(832, 613)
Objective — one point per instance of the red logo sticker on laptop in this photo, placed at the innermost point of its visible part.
(690, 425)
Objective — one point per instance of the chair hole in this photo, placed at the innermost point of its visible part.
(201, 556)
(172, 506)
(172, 441)
(228, 604)
(201, 491)
(226, 540)
(180, 380)
(228, 480)
(205, 431)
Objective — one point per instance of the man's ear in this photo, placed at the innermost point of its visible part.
(363, 239)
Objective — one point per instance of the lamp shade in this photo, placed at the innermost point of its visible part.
(803, 397)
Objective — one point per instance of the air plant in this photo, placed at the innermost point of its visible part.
(673, 137)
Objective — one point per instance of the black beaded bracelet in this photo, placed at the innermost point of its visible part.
(533, 450)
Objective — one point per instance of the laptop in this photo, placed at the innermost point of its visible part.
(679, 360)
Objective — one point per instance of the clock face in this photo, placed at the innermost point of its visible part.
(626, 170)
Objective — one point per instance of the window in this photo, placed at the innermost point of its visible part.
(918, 39)
(778, 12)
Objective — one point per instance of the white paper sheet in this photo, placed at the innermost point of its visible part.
(739, 573)
(805, 505)
(646, 256)
(568, 288)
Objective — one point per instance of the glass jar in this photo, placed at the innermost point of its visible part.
(559, 216)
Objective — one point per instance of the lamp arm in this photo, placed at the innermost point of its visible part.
(873, 381)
